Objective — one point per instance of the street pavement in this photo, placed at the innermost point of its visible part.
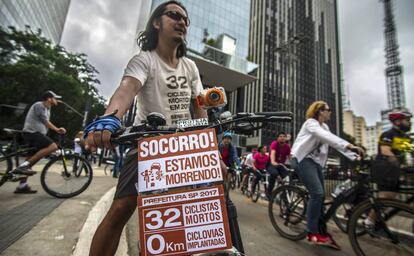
(39, 224)
(258, 235)
(44, 225)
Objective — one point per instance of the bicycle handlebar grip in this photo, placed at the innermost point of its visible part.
(167, 128)
(277, 113)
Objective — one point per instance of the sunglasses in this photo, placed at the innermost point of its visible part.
(326, 109)
(177, 17)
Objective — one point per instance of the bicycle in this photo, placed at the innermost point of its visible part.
(393, 229)
(287, 208)
(241, 123)
(254, 185)
(236, 178)
(65, 174)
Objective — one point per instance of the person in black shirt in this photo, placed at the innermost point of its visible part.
(392, 147)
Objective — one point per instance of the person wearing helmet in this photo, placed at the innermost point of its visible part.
(391, 147)
(36, 126)
(228, 153)
(386, 167)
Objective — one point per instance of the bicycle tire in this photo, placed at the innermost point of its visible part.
(5, 167)
(248, 190)
(239, 180)
(357, 240)
(233, 180)
(282, 198)
(341, 216)
(110, 169)
(256, 192)
(54, 179)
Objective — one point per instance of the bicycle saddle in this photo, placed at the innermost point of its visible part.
(12, 131)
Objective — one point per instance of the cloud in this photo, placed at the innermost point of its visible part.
(363, 56)
(105, 31)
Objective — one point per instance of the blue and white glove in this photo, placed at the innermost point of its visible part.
(108, 122)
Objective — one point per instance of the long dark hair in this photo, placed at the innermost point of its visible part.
(148, 39)
(259, 149)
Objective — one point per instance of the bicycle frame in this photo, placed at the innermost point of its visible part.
(13, 151)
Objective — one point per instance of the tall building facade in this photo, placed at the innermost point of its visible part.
(47, 15)
(229, 17)
(295, 43)
(355, 126)
(371, 139)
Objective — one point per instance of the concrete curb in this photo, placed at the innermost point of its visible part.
(95, 217)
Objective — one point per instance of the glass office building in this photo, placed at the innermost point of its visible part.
(48, 15)
(222, 55)
(295, 43)
(229, 17)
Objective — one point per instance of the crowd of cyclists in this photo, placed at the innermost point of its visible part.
(259, 161)
(161, 71)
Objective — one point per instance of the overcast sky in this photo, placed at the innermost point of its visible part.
(105, 30)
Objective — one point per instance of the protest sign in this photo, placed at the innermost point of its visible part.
(185, 222)
(177, 160)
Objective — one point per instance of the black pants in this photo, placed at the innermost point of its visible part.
(275, 171)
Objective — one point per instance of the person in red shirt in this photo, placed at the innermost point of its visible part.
(260, 161)
(279, 153)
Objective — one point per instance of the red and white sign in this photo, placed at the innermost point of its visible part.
(184, 222)
(177, 160)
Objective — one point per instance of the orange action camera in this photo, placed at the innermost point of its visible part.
(212, 97)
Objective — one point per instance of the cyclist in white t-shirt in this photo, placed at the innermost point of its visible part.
(247, 168)
(164, 81)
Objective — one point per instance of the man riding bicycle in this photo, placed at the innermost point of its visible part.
(247, 168)
(228, 153)
(392, 145)
(279, 154)
(36, 126)
(160, 75)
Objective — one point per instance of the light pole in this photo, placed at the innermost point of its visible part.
(71, 108)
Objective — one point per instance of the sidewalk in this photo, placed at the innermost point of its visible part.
(43, 225)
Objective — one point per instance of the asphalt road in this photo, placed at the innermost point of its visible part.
(260, 238)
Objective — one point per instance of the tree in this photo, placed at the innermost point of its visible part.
(30, 65)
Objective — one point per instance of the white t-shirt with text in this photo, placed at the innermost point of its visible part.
(164, 89)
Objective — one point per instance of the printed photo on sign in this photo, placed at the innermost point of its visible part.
(178, 160)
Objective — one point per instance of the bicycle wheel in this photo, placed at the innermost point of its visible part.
(239, 179)
(66, 176)
(248, 190)
(255, 192)
(108, 169)
(341, 216)
(287, 208)
(5, 167)
(392, 233)
(233, 180)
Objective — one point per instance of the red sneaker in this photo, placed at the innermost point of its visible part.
(318, 239)
(325, 240)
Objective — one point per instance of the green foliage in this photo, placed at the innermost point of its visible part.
(30, 65)
(211, 42)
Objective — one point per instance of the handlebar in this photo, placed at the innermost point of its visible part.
(240, 122)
